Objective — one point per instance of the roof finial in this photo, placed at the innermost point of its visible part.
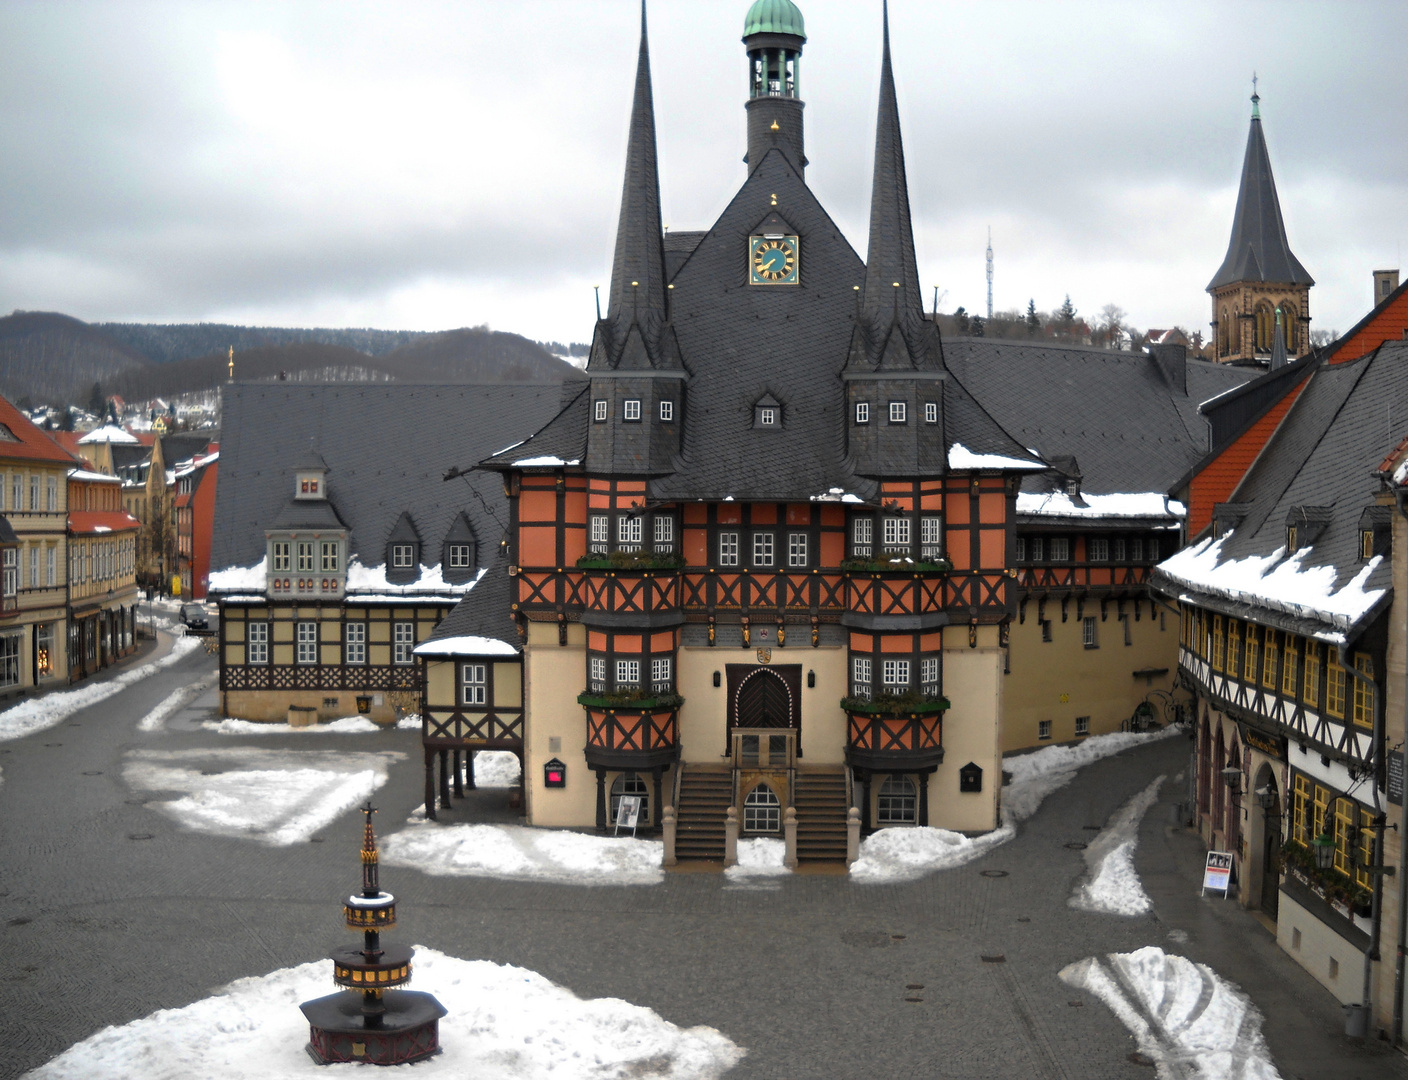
(1256, 100)
(232, 363)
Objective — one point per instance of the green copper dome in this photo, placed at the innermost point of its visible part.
(774, 17)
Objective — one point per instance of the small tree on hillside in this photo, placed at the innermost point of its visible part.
(97, 404)
(1066, 317)
(1033, 320)
(975, 327)
(961, 318)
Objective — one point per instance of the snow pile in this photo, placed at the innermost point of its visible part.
(1143, 504)
(909, 854)
(235, 578)
(273, 796)
(40, 713)
(518, 853)
(466, 645)
(373, 579)
(1286, 584)
(496, 768)
(960, 457)
(347, 725)
(1114, 887)
(108, 433)
(504, 1023)
(1185, 1017)
(175, 701)
(761, 857)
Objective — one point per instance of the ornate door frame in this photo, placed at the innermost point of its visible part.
(789, 675)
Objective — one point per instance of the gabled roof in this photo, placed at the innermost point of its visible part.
(26, 442)
(562, 441)
(485, 615)
(305, 514)
(82, 522)
(404, 531)
(1258, 250)
(1386, 321)
(388, 446)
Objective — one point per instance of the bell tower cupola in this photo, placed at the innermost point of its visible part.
(773, 34)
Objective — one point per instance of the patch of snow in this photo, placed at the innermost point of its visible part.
(960, 457)
(175, 701)
(1145, 504)
(94, 477)
(235, 578)
(837, 495)
(253, 598)
(908, 854)
(496, 768)
(38, 714)
(519, 853)
(276, 797)
(1287, 584)
(1401, 473)
(347, 725)
(466, 645)
(373, 579)
(108, 434)
(409, 722)
(1183, 1015)
(546, 460)
(1114, 887)
(507, 448)
(760, 857)
(504, 1023)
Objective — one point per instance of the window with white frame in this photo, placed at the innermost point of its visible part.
(1121, 550)
(10, 660)
(896, 675)
(862, 534)
(767, 416)
(862, 412)
(3, 489)
(329, 557)
(897, 803)
(931, 543)
(660, 678)
(1021, 549)
(627, 674)
(355, 651)
(403, 640)
(474, 684)
(51, 495)
(931, 412)
(1036, 547)
(728, 549)
(34, 492)
(307, 643)
(797, 549)
(596, 674)
(1136, 550)
(599, 534)
(599, 410)
(667, 411)
(1088, 632)
(1082, 725)
(897, 412)
(51, 565)
(631, 409)
(403, 556)
(1060, 548)
(762, 549)
(860, 676)
(1151, 549)
(664, 527)
(896, 534)
(10, 582)
(282, 555)
(1099, 548)
(762, 811)
(1043, 729)
(256, 640)
(305, 556)
(628, 532)
(17, 492)
(929, 675)
(459, 557)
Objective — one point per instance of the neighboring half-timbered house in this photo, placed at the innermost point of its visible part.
(1291, 633)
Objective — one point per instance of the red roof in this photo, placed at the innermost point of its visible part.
(67, 439)
(29, 442)
(101, 521)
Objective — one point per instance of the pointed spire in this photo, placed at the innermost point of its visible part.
(638, 269)
(1259, 250)
(1278, 344)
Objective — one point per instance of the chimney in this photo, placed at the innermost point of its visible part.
(1172, 362)
(1385, 281)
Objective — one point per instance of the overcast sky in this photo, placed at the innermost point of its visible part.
(427, 166)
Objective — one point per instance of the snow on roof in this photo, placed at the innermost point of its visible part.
(1286, 584)
(371, 582)
(1141, 504)
(546, 460)
(960, 457)
(258, 598)
(96, 477)
(373, 579)
(837, 495)
(108, 434)
(185, 468)
(466, 645)
(236, 578)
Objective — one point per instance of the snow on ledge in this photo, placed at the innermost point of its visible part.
(1285, 584)
(960, 457)
(1140, 504)
(837, 495)
(370, 580)
(466, 645)
(546, 460)
(235, 578)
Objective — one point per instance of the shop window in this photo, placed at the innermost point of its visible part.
(762, 811)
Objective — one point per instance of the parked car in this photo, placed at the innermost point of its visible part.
(194, 616)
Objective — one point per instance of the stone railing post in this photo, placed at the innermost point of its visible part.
(789, 838)
(852, 835)
(731, 837)
(667, 828)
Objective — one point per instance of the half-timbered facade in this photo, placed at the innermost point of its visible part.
(1291, 641)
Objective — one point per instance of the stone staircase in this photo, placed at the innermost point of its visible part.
(821, 816)
(704, 799)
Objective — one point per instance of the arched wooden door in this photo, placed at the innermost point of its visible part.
(765, 696)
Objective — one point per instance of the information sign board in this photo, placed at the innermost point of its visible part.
(628, 813)
(1217, 873)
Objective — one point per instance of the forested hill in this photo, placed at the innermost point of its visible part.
(53, 358)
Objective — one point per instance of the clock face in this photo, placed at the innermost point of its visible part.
(772, 260)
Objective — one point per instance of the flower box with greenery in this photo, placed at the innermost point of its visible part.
(1335, 887)
(631, 560)
(909, 703)
(896, 566)
(643, 700)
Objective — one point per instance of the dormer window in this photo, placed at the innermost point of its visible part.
(460, 553)
(1291, 539)
(631, 410)
(862, 412)
(459, 557)
(599, 410)
(767, 412)
(1366, 545)
(767, 417)
(931, 412)
(309, 486)
(667, 411)
(403, 556)
(897, 412)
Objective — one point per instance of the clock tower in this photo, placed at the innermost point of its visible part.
(773, 34)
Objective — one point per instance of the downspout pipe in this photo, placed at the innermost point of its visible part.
(1376, 776)
(1396, 1035)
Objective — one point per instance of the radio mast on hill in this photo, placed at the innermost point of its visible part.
(989, 273)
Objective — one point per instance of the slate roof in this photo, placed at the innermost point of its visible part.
(1114, 412)
(486, 612)
(1325, 455)
(1258, 250)
(387, 446)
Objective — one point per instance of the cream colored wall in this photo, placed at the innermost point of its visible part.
(703, 720)
(1318, 946)
(1394, 706)
(553, 676)
(440, 684)
(974, 686)
(1062, 679)
(273, 706)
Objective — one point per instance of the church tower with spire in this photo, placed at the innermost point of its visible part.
(1260, 284)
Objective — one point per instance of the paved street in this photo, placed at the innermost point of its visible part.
(99, 927)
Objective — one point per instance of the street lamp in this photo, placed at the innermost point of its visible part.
(1267, 798)
(1324, 848)
(1232, 777)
